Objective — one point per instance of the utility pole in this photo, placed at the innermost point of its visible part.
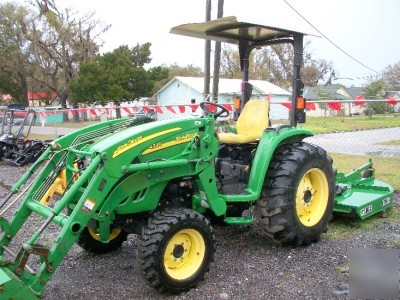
(207, 53)
(217, 55)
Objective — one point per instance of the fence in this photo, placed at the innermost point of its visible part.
(352, 131)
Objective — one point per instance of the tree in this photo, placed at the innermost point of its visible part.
(280, 62)
(317, 72)
(376, 90)
(160, 76)
(275, 64)
(140, 55)
(62, 40)
(323, 95)
(117, 75)
(158, 73)
(14, 51)
(169, 72)
(230, 63)
(391, 75)
(44, 46)
(187, 71)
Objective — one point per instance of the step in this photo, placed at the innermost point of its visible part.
(238, 220)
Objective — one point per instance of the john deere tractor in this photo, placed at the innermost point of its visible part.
(165, 180)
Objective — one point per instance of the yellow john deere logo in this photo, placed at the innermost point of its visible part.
(140, 140)
(178, 140)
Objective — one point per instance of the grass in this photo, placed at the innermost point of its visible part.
(334, 124)
(342, 227)
(386, 168)
(391, 143)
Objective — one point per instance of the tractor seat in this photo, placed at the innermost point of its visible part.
(250, 124)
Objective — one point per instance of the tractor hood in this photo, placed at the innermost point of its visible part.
(147, 142)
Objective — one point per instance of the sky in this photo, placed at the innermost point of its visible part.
(367, 29)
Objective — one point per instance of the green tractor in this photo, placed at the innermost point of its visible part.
(165, 180)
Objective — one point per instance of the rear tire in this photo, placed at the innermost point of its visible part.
(298, 195)
(90, 241)
(175, 249)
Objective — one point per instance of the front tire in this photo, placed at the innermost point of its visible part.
(298, 195)
(90, 240)
(175, 249)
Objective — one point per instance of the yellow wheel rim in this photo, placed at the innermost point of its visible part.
(114, 233)
(312, 197)
(184, 254)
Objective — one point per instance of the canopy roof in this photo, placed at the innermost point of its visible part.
(230, 30)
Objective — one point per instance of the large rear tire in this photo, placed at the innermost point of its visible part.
(175, 249)
(90, 240)
(298, 195)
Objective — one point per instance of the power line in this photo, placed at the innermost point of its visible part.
(329, 40)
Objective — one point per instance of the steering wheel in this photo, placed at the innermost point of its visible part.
(205, 106)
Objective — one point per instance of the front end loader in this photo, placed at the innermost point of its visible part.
(166, 181)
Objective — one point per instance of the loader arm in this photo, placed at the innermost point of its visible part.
(111, 169)
(18, 279)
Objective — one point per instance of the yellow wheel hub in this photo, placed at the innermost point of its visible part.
(312, 197)
(184, 254)
(114, 233)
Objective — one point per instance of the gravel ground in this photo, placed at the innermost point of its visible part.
(247, 265)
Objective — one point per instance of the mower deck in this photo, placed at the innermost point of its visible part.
(361, 195)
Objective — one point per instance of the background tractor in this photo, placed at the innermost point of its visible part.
(160, 179)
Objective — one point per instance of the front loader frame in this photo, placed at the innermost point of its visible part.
(82, 187)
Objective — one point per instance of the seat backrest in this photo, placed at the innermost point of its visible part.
(254, 117)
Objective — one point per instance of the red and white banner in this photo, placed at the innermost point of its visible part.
(309, 105)
(335, 105)
(391, 100)
(287, 105)
(269, 97)
(359, 100)
(192, 108)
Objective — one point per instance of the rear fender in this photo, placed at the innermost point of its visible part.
(270, 141)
